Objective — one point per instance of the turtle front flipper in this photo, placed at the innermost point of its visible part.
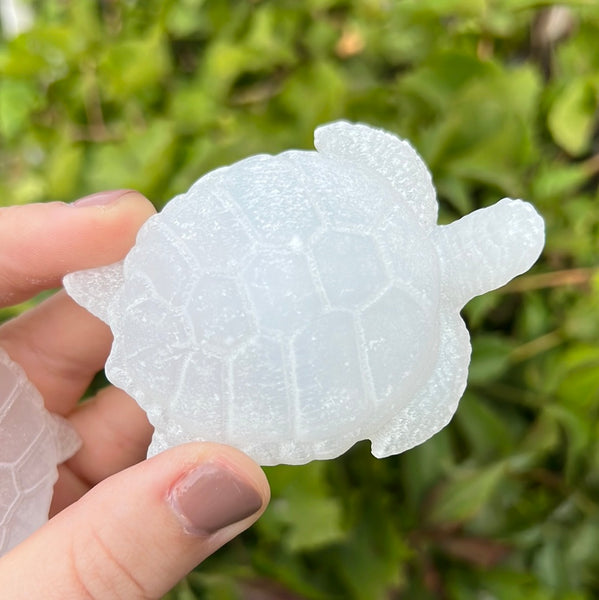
(384, 153)
(485, 249)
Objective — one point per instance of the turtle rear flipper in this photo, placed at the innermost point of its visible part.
(96, 289)
(430, 409)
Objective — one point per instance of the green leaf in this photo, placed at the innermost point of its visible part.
(63, 166)
(372, 566)
(327, 91)
(141, 161)
(572, 116)
(487, 433)
(423, 466)
(186, 18)
(581, 432)
(214, 586)
(490, 358)
(502, 584)
(462, 497)
(454, 7)
(135, 66)
(18, 100)
(580, 383)
(303, 509)
(558, 181)
(192, 108)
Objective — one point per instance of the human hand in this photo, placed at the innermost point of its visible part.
(122, 528)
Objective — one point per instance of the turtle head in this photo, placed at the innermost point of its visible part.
(485, 249)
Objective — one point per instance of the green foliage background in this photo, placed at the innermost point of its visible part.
(503, 503)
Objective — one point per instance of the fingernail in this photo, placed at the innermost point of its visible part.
(212, 497)
(102, 198)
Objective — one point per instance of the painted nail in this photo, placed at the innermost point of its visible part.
(101, 198)
(212, 497)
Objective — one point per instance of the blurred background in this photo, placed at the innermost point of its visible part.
(501, 99)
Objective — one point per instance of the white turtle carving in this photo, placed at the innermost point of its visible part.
(292, 305)
(32, 442)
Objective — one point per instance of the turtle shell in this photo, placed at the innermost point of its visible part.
(286, 305)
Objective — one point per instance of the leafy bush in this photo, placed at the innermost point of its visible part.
(500, 97)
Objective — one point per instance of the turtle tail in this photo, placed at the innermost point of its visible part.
(96, 289)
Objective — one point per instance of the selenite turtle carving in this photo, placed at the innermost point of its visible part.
(292, 305)
(32, 442)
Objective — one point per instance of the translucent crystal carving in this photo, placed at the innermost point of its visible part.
(32, 442)
(291, 305)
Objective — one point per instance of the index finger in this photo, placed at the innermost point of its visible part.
(40, 243)
(59, 344)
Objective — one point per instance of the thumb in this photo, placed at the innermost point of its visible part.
(140, 531)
